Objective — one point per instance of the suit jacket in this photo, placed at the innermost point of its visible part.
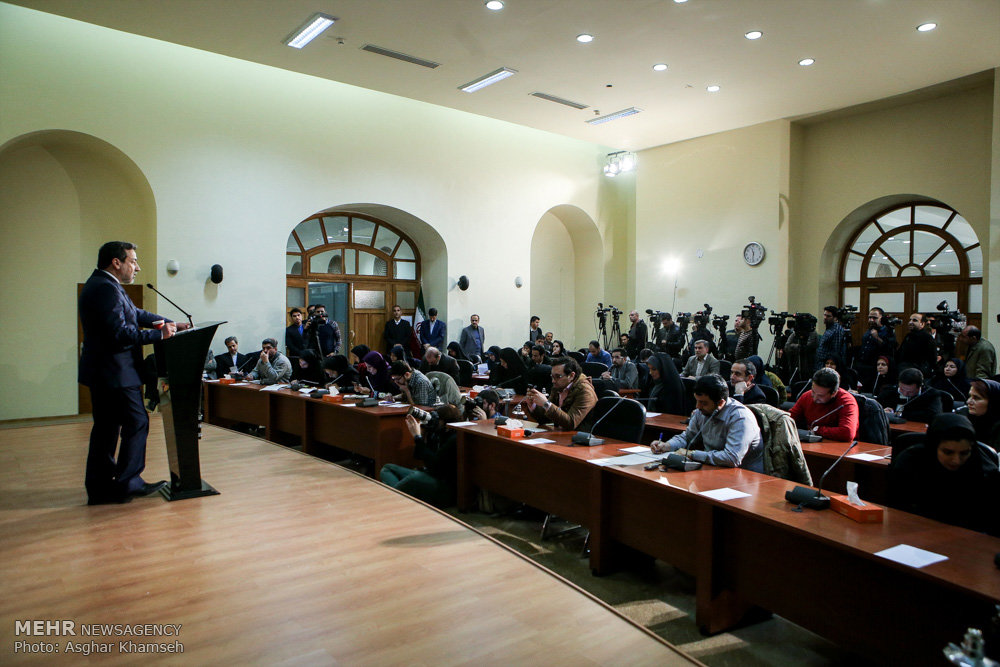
(295, 342)
(397, 333)
(711, 366)
(580, 400)
(468, 344)
(112, 334)
(445, 364)
(433, 333)
(224, 362)
(923, 407)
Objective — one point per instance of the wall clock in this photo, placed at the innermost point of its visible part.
(753, 253)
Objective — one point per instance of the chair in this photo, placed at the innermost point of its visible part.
(988, 453)
(783, 455)
(618, 418)
(905, 441)
(770, 395)
(578, 356)
(465, 371)
(873, 424)
(594, 369)
(688, 394)
(608, 393)
(643, 371)
(796, 389)
(541, 376)
(725, 367)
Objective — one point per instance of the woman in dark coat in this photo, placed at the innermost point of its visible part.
(374, 372)
(885, 376)
(455, 351)
(339, 372)
(952, 380)
(666, 393)
(513, 372)
(359, 352)
(984, 411)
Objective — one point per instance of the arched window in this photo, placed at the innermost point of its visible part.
(358, 266)
(911, 257)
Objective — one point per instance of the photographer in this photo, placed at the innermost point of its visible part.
(436, 446)
(637, 334)
(878, 341)
(669, 337)
(484, 406)
(800, 347)
(321, 333)
(832, 342)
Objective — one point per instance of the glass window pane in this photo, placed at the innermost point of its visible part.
(295, 297)
(880, 267)
(405, 251)
(364, 298)
(406, 300)
(369, 264)
(891, 302)
(336, 229)
(406, 270)
(931, 215)
(963, 231)
(293, 265)
(309, 233)
(927, 301)
(866, 238)
(925, 244)
(361, 231)
(350, 260)
(327, 261)
(910, 272)
(975, 298)
(292, 245)
(945, 263)
(852, 296)
(852, 268)
(896, 218)
(897, 247)
(386, 239)
(976, 262)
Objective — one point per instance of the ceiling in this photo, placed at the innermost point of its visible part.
(864, 50)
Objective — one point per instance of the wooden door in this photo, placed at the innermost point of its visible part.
(134, 292)
(369, 304)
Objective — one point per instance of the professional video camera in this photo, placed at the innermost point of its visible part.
(947, 320)
(703, 317)
(891, 321)
(655, 316)
(777, 320)
(805, 323)
(847, 316)
(755, 312)
(682, 320)
(719, 322)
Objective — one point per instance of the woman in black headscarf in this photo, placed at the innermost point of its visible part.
(512, 371)
(984, 411)
(398, 353)
(339, 372)
(359, 352)
(666, 392)
(885, 376)
(951, 379)
(455, 351)
(948, 478)
(374, 372)
(310, 367)
(492, 358)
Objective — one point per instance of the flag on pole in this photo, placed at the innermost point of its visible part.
(418, 317)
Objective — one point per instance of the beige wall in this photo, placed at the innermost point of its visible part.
(553, 284)
(236, 154)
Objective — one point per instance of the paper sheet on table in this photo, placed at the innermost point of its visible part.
(912, 556)
(725, 493)
(652, 414)
(863, 456)
(538, 441)
(463, 423)
(395, 405)
(274, 387)
(630, 460)
(642, 450)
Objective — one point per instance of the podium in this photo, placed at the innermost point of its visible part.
(180, 361)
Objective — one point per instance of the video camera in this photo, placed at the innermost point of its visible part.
(847, 316)
(805, 323)
(655, 316)
(755, 312)
(719, 322)
(703, 317)
(891, 321)
(947, 320)
(682, 320)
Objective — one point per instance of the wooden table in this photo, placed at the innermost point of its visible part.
(377, 433)
(817, 569)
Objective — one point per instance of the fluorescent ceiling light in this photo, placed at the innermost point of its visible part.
(712, 89)
(659, 67)
(310, 30)
(631, 111)
(806, 62)
(584, 38)
(495, 5)
(926, 27)
(487, 80)
(754, 34)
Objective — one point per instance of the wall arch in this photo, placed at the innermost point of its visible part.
(62, 194)
(567, 273)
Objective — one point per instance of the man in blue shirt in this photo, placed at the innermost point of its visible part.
(597, 354)
(832, 342)
(473, 339)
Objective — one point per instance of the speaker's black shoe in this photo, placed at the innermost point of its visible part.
(149, 489)
(108, 500)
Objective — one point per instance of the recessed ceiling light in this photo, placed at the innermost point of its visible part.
(583, 38)
(754, 34)
(495, 5)
(631, 111)
(488, 79)
(659, 67)
(310, 30)
(926, 27)
(906, 243)
(806, 62)
(680, 2)
(712, 89)
(933, 265)
(949, 250)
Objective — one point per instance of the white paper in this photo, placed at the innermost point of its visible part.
(390, 404)
(638, 449)
(912, 556)
(653, 414)
(725, 493)
(865, 457)
(274, 387)
(630, 460)
(306, 390)
(463, 424)
(538, 441)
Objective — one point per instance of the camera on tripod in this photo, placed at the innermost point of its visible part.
(682, 320)
(703, 317)
(847, 316)
(655, 316)
(755, 312)
(719, 322)
(805, 323)
(947, 320)
(891, 321)
(778, 319)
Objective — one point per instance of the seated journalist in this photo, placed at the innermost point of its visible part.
(572, 396)
(910, 400)
(827, 410)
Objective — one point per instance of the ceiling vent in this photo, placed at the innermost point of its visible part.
(559, 100)
(371, 48)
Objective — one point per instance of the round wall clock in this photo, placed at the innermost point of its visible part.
(753, 253)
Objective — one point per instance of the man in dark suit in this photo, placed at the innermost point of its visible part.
(109, 366)
(433, 330)
(397, 330)
(473, 339)
(231, 359)
(295, 341)
(910, 400)
(435, 361)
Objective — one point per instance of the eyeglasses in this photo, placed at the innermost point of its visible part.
(557, 376)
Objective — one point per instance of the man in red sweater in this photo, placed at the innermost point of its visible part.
(828, 411)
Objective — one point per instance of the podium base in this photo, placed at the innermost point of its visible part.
(177, 494)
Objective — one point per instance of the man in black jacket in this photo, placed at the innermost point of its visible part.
(910, 400)
(295, 341)
(918, 349)
(435, 361)
(397, 330)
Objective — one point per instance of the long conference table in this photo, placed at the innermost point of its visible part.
(817, 569)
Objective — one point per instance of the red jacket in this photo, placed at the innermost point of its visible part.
(840, 425)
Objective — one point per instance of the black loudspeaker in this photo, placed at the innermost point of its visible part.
(463, 283)
(216, 273)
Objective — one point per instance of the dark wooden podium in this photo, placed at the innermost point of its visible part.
(180, 361)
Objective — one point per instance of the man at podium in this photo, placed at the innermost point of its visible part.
(113, 337)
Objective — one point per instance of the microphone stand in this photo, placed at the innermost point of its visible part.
(804, 496)
(187, 314)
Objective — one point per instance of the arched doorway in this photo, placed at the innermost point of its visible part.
(909, 258)
(358, 266)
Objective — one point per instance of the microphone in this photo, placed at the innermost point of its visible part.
(187, 314)
(804, 496)
(585, 438)
(813, 422)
